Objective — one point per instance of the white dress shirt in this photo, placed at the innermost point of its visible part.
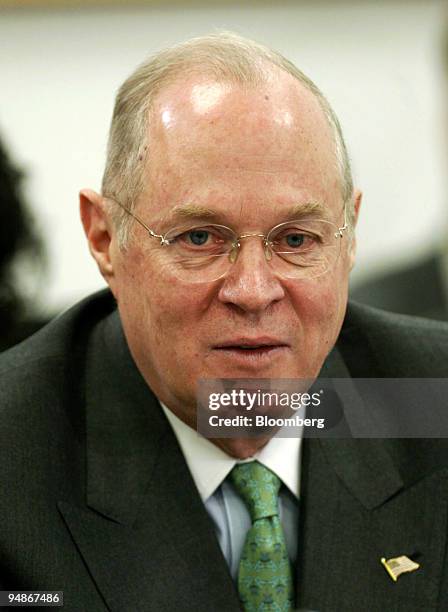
(210, 466)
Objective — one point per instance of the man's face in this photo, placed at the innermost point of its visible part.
(250, 155)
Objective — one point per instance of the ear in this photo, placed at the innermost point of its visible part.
(98, 230)
(357, 205)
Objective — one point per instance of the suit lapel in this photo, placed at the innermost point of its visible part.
(346, 530)
(145, 535)
(364, 499)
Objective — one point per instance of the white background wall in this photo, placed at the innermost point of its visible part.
(378, 62)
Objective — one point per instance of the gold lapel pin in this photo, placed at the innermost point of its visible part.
(399, 565)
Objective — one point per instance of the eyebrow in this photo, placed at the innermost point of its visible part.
(190, 210)
(196, 211)
(308, 209)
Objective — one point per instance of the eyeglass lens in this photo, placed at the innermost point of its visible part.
(300, 249)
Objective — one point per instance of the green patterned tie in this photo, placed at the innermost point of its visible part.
(264, 576)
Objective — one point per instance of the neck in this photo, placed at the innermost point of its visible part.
(240, 448)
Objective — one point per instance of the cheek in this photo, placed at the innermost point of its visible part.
(318, 299)
(174, 314)
(320, 308)
(134, 289)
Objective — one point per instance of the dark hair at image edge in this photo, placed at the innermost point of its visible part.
(18, 241)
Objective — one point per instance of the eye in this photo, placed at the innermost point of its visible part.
(198, 237)
(199, 241)
(295, 240)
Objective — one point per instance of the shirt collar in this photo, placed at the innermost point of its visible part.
(209, 465)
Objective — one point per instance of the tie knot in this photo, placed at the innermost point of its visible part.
(258, 487)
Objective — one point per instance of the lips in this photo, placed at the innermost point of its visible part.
(246, 351)
(250, 348)
(245, 356)
(250, 344)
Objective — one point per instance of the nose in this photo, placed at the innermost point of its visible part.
(250, 283)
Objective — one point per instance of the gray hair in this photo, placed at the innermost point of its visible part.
(224, 56)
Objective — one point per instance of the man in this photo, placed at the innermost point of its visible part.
(225, 233)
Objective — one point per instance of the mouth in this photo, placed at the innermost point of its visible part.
(250, 350)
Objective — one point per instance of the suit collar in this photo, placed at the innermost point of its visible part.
(365, 467)
(144, 520)
(364, 499)
(125, 426)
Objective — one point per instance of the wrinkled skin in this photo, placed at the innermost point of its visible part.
(249, 154)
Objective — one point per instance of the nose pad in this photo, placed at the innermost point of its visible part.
(252, 263)
(251, 284)
(233, 256)
(234, 252)
(267, 251)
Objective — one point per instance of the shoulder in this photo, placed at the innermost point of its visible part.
(41, 371)
(395, 345)
(61, 332)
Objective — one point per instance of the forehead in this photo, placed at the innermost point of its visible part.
(258, 147)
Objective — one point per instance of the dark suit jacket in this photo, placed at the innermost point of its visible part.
(97, 500)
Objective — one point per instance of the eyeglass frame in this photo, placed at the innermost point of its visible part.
(236, 244)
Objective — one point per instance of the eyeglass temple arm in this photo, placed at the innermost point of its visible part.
(142, 223)
(341, 230)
